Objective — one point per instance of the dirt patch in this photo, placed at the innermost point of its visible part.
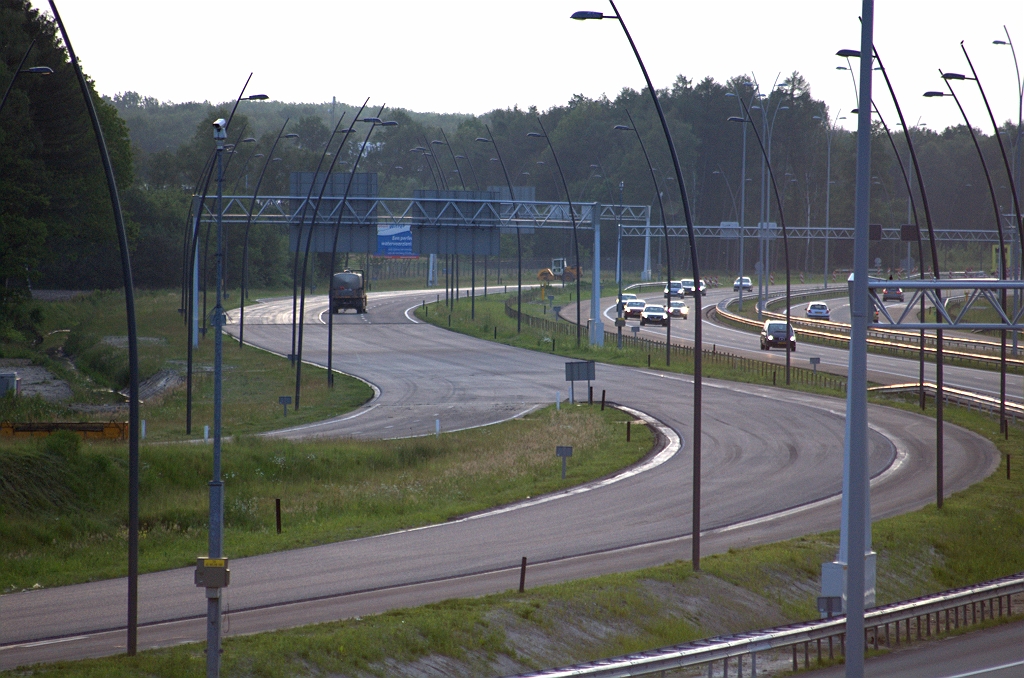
(37, 380)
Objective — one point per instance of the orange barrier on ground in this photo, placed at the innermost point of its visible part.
(110, 430)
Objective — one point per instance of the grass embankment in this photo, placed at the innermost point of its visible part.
(85, 342)
(976, 536)
(63, 514)
(492, 323)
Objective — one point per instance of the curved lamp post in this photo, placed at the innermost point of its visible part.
(832, 124)
(133, 345)
(668, 257)
(489, 139)
(785, 238)
(698, 344)
(245, 165)
(1002, 243)
(36, 70)
(190, 269)
(543, 134)
(248, 223)
(296, 319)
(375, 122)
(743, 187)
(939, 396)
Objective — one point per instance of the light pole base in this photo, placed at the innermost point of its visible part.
(596, 333)
(833, 582)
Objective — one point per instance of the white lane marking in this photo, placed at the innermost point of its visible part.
(991, 669)
(673, 445)
(517, 415)
(40, 643)
(409, 317)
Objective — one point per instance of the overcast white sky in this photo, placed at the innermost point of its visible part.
(472, 56)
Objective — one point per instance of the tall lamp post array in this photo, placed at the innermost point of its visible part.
(743, 187)
(1002, 243)
(374, 122)
(248, 225)
(543, 134)
(785, 238)
(133, 345)
(668, 257)
(698, 344)
(831, 125)
(489, 139)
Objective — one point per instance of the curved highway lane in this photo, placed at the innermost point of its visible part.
(772, 469)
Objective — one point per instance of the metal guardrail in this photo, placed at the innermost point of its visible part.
(110, 430)
(838, 333)
(883, 625)
(957, 396)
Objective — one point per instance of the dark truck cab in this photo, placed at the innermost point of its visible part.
(348, 291)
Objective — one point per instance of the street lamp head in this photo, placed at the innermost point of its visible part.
(783, 108)
(935, 94)
(484, 139)
(438, 142)
(256, 97)
(38, 70)
(625, 128)
(1000, 42)
(375, 121)
(389, 123)
(290, 135)
(755, 107)
(954, 76)
(583, 15)
(842, 68)
(535, 135)
(736, 118)
(248, 140)
(258, 155)
(730, 94)
(815, 117)
(595, 167)
(848, 53)
(460, 157)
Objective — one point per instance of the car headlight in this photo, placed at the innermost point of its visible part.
(771, 337)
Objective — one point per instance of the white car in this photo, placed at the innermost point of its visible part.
(743, 282)
(676, 288)
(818, 310)
(653, 315)
(679, 309)
(688, 287)
(633, 308)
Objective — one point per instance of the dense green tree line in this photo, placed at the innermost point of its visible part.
(57, 229)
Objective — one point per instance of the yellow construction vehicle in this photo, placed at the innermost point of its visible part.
(559, 271)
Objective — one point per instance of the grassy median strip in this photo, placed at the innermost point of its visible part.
(64, 513)
(490, 321)
(84, 341)
(976, 536)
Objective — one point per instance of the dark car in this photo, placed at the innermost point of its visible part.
(892, 294)
(775, 334)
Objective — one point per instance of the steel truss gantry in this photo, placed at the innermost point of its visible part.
(429, 212)
(971, 295)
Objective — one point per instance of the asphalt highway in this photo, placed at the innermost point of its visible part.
(772, 463)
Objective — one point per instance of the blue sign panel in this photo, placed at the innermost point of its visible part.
(394, 241)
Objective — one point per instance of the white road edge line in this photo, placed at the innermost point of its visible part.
(990, 669)
(673, 445)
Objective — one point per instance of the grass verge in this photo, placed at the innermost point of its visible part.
(63, 517)
(85, 343)
(976, 536)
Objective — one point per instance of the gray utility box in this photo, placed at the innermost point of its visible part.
(212, 573)
(9, 381)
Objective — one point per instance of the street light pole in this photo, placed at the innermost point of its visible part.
(489, 139)
(248, 224)
(216, 530)
(133, 346)
(785, 238)
(575, 239)
(1002, 244)
(38, 70)
(668, 256)
(698, 344)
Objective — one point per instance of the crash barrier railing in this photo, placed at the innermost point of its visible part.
(798, 375)
(950, 342)
(886, 626)
(968, 399)
(837, 334)
(110, 430)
